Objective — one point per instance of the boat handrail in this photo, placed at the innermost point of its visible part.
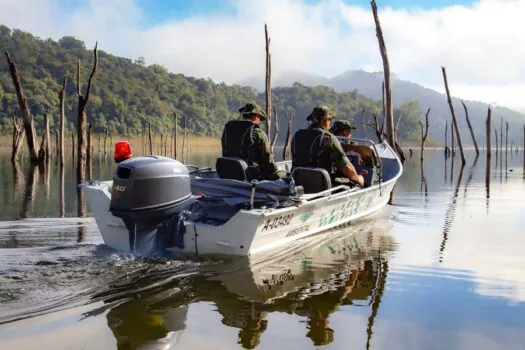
(373, 144)
(329, 192)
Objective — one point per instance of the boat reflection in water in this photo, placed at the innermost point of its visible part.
(311, 279)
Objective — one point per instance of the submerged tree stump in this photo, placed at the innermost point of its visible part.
(27, 119)
(389, 115)
(470, 128)
(424, 134)
(454, 121)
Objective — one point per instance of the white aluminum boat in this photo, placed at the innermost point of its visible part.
(228, 216)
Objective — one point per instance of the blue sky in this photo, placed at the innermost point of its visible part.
(161, 10)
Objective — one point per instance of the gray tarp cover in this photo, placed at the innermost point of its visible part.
(235, 192)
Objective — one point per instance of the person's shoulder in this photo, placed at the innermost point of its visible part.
(259, 133)
(333, 138)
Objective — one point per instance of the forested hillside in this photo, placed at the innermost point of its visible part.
(127, 93)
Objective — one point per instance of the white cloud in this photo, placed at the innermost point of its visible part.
(479, 44)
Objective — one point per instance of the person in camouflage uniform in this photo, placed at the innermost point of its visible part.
(245, 139)
(343, 128)
(317, 147)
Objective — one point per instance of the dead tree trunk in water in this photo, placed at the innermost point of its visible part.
(89, 158)
(150, 140)
(170, 149)
(497, 143)
(143, 139)
(72, 146)
(453, 140)
(383, 104)
(187, 136)
(447, 150)
(470, 128)
(57, 142)
(106, 141)
(388, 88)
(424, 134)
(287, 144)
(99, 138)
(62, 97)
(18, 137)
(185, 140)
(398, 122)
(276, 132)
(456, 129)
(506, 142)
(501, 138)
(43, 153)
(81, 125)
(378, 128)
(166, 145)
(175, 123)
(489, 147)
(268, 83)
(61, 191)
(29, 193)
(27, 119)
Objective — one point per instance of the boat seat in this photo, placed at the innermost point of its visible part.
(231, 168)
(313, 180)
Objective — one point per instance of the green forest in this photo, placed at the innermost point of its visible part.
(127, 94)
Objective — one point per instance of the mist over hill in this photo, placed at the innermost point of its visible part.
(369, 85)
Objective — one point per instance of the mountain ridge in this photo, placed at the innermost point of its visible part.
(369, 84)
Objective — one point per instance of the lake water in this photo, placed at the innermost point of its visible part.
(443, 267)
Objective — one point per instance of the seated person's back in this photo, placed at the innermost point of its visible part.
(317, 147)
(244, 139)
(356, 153)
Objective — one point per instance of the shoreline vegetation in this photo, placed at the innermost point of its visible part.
(139, 145)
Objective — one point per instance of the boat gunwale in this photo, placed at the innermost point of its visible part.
(271, 211)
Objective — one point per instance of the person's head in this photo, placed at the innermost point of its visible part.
(321, 116)
(253, 112)
(319, 332)
(342, 128)
(250, 334)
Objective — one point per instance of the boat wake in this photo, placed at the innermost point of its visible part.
(45, 267)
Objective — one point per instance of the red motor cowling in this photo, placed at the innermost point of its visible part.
(122, 151)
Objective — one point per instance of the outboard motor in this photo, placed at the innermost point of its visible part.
(150, 194)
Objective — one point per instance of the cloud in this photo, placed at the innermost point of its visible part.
(479, 44)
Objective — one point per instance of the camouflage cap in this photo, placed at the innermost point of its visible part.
(321, 112)
(341, 125)
(252, 108)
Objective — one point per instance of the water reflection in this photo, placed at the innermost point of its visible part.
(450, 215)
(29, 193)
(471, 175)
(61, 199)
(312, 280)
(363, 289)
(18, 183)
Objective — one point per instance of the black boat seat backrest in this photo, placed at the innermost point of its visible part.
(231, 168)
(313, 180)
